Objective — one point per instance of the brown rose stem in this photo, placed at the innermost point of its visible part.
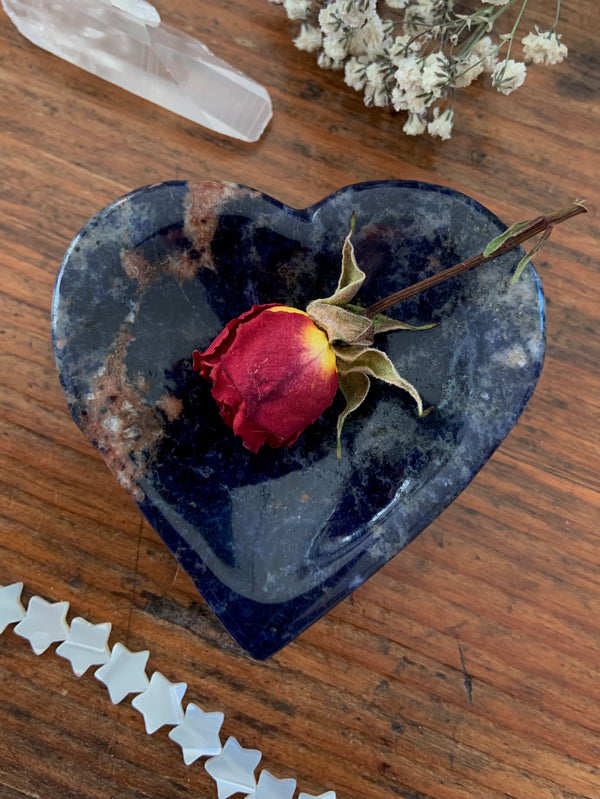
(542, 224)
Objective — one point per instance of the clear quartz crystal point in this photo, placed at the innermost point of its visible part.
(125, 42)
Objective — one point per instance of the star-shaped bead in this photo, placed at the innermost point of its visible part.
(44, 623)
(86, 645)
(11, 609)
(233, 769)
(269, 787)
(124, 673)
(326, 795)
(160, 703)
(198, 734)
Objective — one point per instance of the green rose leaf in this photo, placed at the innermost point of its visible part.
(496, 243)
(526, 258)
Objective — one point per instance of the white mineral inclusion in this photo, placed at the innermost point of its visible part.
(125, 42)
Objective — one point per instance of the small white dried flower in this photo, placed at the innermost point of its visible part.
(297, 9)
(422, 15)
(407, 85)
(487, 51)
(378, 74)
(408, 71)
(435, 73)
(441, 124)
(353, 15)
(409, 96)
(495, 2)
(396, 3)
(378, 96)
(380, 81)
(335, 46)
(355, 73)
(329, 19)
(419, 103)
(368, 40)
(508, 75)
(414, 125)
(309, 39)
(467, 70)
(544, 47)
(401, 47)
(325, 62)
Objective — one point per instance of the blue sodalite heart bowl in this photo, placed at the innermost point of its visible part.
(274, 540)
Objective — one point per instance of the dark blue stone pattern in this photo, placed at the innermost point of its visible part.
(274, 540)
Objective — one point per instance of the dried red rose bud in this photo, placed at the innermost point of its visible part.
(273, 373)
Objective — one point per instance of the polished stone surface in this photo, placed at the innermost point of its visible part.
(274, 540)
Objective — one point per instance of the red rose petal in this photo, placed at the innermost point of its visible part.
(273, 374)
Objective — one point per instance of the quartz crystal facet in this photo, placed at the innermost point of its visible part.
(125, 42)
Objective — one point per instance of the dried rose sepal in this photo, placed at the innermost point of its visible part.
(351, 334)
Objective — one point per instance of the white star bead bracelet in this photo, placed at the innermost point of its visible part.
(83, 644)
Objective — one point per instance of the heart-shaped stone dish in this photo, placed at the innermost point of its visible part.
(274, 540)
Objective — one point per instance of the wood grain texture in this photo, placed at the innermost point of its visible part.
(470, 665)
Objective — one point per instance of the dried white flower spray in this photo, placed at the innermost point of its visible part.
(412, 55)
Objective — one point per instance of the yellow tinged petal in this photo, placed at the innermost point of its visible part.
(316, 343)
(285, 309)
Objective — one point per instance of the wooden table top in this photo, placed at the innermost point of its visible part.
(469, 666)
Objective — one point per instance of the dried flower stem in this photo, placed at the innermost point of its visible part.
(515, 26)
(542, 224)
(557, 15)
